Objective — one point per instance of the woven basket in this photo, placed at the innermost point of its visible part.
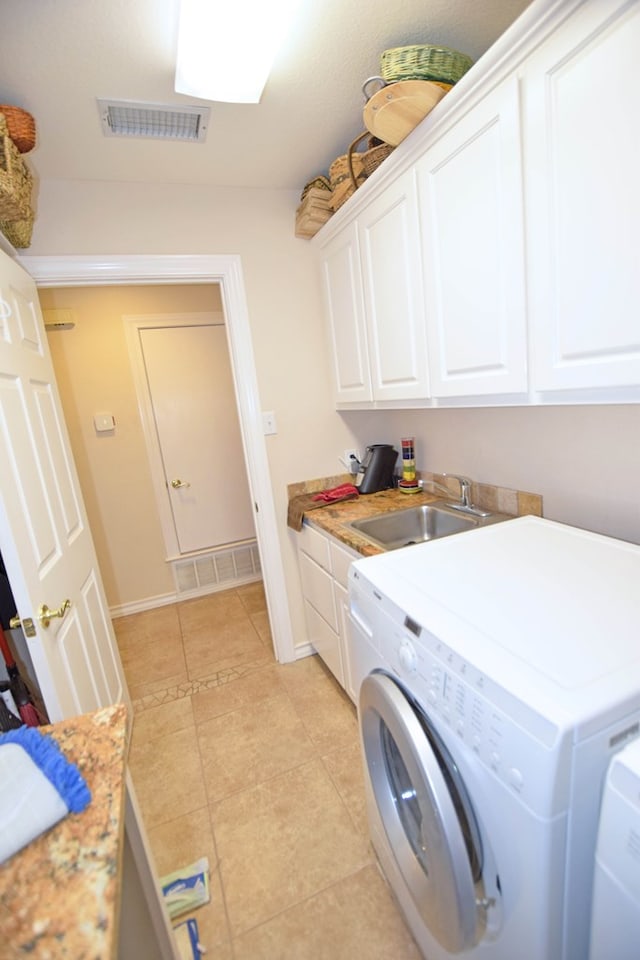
(342, 192)
(369, 160)
(339, 169)
(16, 183)
(318, 183)
(18, 232)
(423, 62)
(21, 126)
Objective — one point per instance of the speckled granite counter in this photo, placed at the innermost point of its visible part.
(59, 895)
(334, 518)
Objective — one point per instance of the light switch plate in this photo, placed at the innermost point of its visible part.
(269, 425)
(103, 422)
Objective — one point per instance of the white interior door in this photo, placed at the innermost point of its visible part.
(194, 416)
(44, 536)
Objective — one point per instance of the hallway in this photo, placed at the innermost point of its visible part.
(255, 765)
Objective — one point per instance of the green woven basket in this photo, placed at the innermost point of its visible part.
(423, 62)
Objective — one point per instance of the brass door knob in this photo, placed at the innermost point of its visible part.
(176, 484)
(45, 615)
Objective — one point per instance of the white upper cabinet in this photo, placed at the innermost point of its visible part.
(394, 304)
(494, 258)
(582, 139)
(470, 192)
(342, 281)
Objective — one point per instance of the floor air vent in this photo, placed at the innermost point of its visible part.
(219, 570)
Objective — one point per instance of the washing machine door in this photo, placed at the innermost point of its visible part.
(426, 821)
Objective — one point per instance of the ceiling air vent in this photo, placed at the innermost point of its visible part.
(123, 118)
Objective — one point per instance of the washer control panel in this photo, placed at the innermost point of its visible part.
(466, 705)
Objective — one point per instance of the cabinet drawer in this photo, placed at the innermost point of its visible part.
(341, 559)
(317, 588)
(316, 545)
(325, 641)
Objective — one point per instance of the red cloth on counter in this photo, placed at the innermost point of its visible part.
(344, 492)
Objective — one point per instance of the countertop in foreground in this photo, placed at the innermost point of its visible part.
(59, 895)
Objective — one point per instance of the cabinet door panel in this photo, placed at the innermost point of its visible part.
(317, 587)
(390, 253)
(325, 642)
(583, 201)
(470, 190)
(345, 312)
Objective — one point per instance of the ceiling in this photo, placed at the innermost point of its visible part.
(58, 56)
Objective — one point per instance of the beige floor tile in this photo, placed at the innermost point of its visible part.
(183, 841)
(253, 688)
(345, 769)
(354, 918)
(141, 628)
(159, 721)
(167, 775)
(211, 611)
(252, 744)
(301, 675)
(283, 841)
(146, 688)
(210, 649)
(252, 597)
(262, 627)
(153, 659)
(328, 714)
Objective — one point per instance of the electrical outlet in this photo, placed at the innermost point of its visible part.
(352, 465)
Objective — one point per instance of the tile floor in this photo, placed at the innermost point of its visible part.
(255, 765)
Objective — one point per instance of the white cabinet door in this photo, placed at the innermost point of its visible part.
(583, 203)
(470, 191)
(342, 282)
(391, 269)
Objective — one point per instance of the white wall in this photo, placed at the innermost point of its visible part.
(282, 287)
(583, 460)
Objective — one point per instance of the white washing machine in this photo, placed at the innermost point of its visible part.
(615, 920)
(498, 672)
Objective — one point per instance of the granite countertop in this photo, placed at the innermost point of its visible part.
(333, 518)
(59, 896)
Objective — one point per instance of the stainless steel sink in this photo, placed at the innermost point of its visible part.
(431, 521)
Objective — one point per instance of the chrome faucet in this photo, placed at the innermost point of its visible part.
(465, 488)
(465, 493)
(423, 482)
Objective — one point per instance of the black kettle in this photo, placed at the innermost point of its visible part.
(376, 470)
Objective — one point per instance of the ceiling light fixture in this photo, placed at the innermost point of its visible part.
(226, 49)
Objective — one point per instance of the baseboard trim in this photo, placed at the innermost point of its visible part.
(164, 600)
(304, 650)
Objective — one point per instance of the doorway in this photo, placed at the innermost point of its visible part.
(227, 272)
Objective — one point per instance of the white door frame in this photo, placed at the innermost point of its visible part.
(226, 270)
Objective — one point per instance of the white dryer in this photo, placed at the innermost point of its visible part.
(615, 920)
(498, 672)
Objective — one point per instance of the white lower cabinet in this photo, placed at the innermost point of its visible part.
(323, 571)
